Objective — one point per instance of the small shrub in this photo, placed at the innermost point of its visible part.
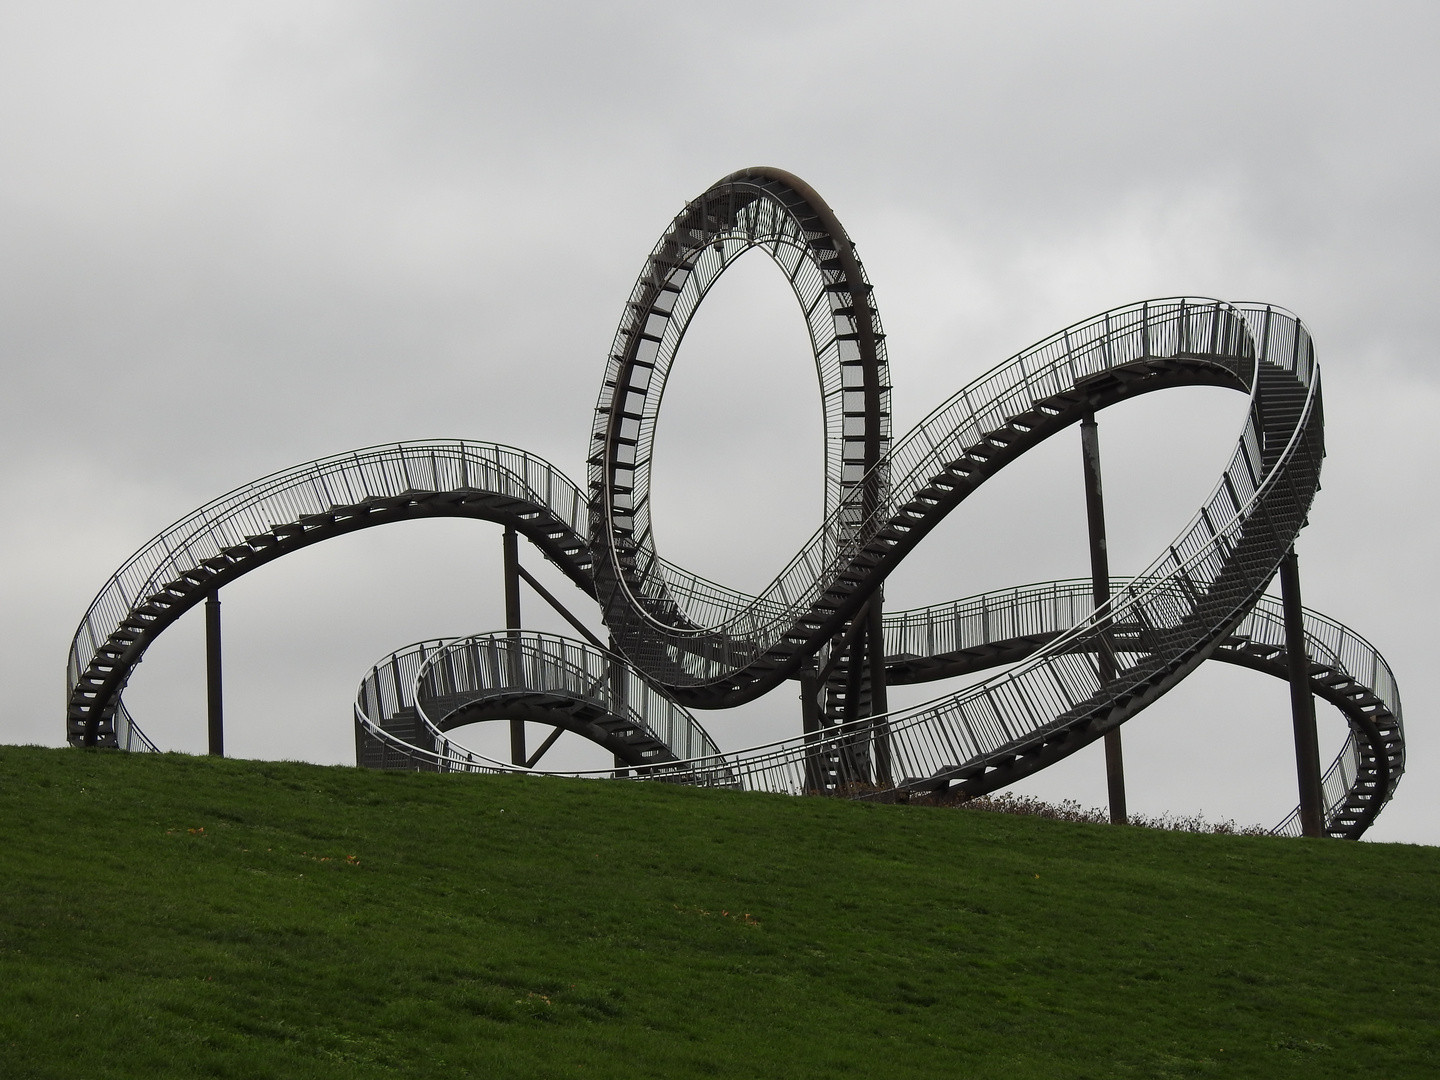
(1070, 810)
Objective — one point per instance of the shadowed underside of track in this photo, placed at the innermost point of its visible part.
(411, 700)
(621, 736)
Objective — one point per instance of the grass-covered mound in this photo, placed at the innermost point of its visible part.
(179, 916)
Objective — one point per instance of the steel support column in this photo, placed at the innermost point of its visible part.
(1302, 701)
(214, 693)
(512, 623)
(1100, 587)
(616, 676)
(879, 697)
(811, 725)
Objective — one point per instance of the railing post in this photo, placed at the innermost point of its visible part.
(1302, 701)
(214, 695)
(1100, 587)
(512, 623)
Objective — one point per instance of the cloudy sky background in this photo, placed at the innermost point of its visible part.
(234, 238)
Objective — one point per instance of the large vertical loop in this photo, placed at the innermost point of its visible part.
(775, 212)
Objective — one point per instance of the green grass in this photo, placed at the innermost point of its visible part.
(179, 916)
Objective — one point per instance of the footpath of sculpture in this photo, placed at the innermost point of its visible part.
(1077, 658)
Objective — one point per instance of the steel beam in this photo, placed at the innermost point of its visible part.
(854, 748)
(561, 609)
(1100, 587)
(214, 692)
(512, 623)
(535, 757)
(1302, 701)
(879, 697)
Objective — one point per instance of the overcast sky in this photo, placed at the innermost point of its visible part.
(238, 237)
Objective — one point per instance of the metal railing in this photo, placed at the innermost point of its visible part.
(1003, 615)
(708, 236)
(442, 679)
(1199, 590)
(326, 486)
(500, 663)
(1336, 646)
(690, 636)
(128, 735)
(758, 209)
(1051, 608)
(1207, 581)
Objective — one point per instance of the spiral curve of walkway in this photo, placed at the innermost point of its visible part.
(1072, 672)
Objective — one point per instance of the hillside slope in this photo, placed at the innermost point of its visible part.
(180, 916)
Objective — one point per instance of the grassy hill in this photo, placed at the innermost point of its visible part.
(179, 916)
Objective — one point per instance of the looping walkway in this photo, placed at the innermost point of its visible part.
(1076, 671)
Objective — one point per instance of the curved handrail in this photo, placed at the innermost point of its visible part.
(446, 683)
(762, 209)
(1037, 612)
(1191, 597)
(294, 507)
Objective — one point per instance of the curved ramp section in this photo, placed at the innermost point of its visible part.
(412, 699)
(1063, 697)
(733, 648)
(966, 636)
(1349, 673)
(1190, 603)
(1082, 683)
(1008, 625)
(264, 520)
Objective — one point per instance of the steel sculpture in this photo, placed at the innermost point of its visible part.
(1080, 657)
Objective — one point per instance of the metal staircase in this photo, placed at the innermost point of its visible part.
(409, 701)
(1007, 626)
(278, 514)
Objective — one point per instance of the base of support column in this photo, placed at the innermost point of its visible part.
(1115, 778)
(517, 743)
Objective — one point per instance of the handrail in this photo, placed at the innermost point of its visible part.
(444, 680)
(468, 670)
(283, 508)
(315, 487)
